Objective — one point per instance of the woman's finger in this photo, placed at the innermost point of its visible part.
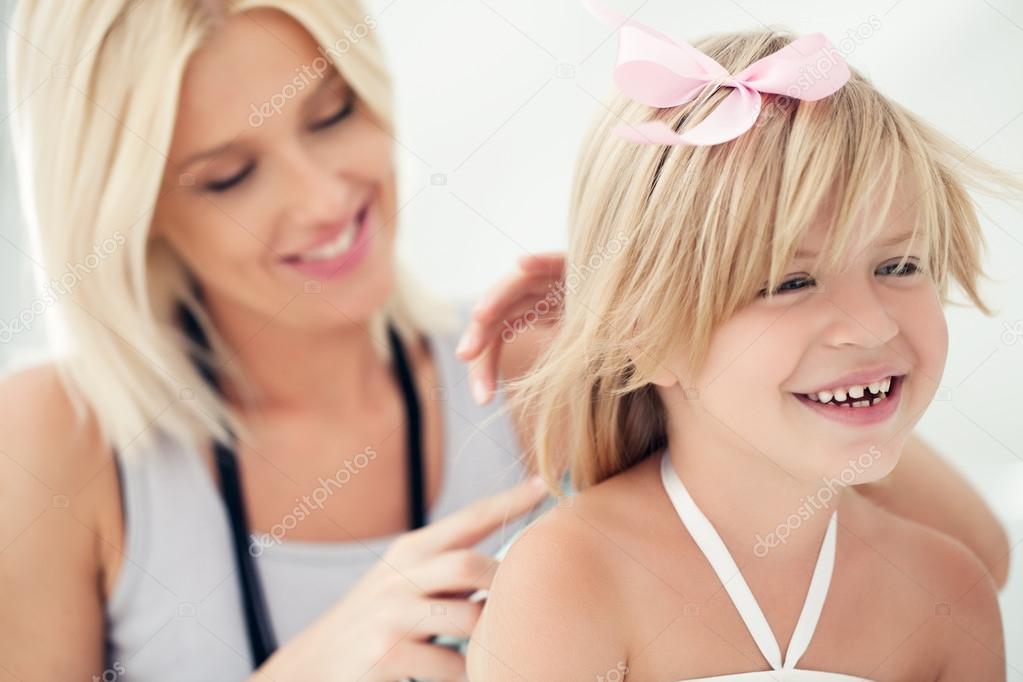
(494, 339)
(418, 660)
(494, 304)
(551, 263)
(459, 572)
(498, 305)
(443, 617)
(467, 526)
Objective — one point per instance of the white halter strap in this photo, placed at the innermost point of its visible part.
(724, 566)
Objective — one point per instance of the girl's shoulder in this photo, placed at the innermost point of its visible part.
(904, 577)
(555, 606)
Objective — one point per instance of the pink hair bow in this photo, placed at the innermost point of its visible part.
(657, 71)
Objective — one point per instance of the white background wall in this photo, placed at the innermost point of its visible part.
(494, 96)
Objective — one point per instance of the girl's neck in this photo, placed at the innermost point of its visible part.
(761, 511)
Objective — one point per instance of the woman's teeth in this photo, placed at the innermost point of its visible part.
(852, 394)
(334, 248)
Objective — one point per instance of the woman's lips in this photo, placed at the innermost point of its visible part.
(334, 267)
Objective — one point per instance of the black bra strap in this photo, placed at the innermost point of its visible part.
(414, 433)
(262, 641)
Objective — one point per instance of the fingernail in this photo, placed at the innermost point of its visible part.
(538, 483)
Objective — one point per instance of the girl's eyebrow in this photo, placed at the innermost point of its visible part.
(897, 239)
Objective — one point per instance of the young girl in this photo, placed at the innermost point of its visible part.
(757, 327)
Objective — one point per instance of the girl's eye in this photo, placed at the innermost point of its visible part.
(794, 283)
(337, 117)
(899, 269)
(228, 183)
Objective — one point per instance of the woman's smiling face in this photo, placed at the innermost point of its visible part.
(279, 182)
(829, 334)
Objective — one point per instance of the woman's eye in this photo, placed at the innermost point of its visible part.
(337, 117)
(792, 284)
(228, 183)
(899, 269)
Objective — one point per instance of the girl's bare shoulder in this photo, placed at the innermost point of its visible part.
(556, 606)
(926, 587)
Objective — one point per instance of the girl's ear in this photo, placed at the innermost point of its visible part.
(664, 374)
(664, 377)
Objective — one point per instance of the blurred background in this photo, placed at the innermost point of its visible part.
(493, 99)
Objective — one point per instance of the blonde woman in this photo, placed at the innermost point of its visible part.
(234, 164)
(232, 367)
(765, 333)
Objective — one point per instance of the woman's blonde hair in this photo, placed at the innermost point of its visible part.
(97, 85)
(668, 242)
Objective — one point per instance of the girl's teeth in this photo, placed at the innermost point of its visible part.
(878, 388)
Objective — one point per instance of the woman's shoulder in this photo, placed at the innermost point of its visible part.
(55, 461)
(41, 418)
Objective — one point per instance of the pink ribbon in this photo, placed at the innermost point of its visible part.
(657, 71)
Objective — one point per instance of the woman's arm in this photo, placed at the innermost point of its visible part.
(926, 489)
(54, 483)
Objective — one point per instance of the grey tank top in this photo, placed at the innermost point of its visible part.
(175, 612)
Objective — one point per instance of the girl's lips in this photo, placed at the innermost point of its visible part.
(859, 416)
(344, 262)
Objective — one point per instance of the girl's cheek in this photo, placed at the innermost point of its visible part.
(926, 328)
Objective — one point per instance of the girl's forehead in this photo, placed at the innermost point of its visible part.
(875, 224)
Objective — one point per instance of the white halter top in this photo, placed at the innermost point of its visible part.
(710, 543)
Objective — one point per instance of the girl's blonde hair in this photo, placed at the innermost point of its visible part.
(96, 85)
(668, 242)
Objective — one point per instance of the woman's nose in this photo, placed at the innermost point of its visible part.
(315, 194)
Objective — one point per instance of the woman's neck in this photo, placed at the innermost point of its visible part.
(289, 368)
(761, 511)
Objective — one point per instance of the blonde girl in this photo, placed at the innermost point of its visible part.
(764, 337)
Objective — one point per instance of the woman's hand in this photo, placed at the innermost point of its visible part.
(380, 630)
(528, 298)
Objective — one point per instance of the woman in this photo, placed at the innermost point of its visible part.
(233, 367)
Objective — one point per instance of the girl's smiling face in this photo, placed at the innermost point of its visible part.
(827, 333)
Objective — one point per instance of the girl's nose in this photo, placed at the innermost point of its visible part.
(860, 316)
